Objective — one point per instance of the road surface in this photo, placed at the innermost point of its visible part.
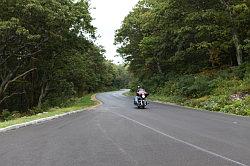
(118, 134)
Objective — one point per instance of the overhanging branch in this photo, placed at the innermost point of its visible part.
(21, 75)
(17, 77)
(6, 97)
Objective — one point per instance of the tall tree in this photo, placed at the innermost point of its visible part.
(47, 53)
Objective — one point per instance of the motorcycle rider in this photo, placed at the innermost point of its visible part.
(138, 92)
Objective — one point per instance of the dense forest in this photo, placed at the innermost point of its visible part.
(195, 53)
(48, 55)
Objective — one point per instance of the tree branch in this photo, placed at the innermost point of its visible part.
(6, 97)
(5, 60)
(21, 75)
(14, 79)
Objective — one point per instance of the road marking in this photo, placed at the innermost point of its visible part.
(179, 140)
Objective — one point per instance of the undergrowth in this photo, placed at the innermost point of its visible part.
(36, 113)
(225, 90)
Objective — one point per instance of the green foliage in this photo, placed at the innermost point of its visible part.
(201, 87)
(188, 86)
(184, 86)
(6, 115)
(237, 107)
(47, 55)
(215, 103)
(36, 110)
(170, 88)
(74, 104)
(196, 53)
(160, 37)
(212, 91)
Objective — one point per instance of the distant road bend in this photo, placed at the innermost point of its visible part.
(118, 134)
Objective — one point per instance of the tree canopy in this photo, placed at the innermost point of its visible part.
(184, 36)
(48, 53)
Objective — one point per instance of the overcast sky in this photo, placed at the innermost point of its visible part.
(108, 15)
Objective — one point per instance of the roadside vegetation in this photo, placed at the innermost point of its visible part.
(192, 53)
(34, 114)
(48, 57)
(225, 91)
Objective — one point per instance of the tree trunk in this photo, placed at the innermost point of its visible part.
(44, 91)
(238, 48)
(40, 98)
(158, 63)
(234, 33)
(159, 67)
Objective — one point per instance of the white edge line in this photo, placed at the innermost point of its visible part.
(179, 140)
(42, 120)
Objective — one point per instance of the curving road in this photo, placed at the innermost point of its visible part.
(118, 134)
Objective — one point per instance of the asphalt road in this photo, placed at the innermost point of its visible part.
(118, 134)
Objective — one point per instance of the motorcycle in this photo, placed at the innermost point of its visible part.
(140, 100)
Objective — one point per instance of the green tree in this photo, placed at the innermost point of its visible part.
(47, 53)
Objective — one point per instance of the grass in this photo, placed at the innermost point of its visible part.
(78, 104)
(129, 93)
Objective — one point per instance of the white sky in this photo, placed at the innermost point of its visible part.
(108, 16)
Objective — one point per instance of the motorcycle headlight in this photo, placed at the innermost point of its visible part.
(143, 96)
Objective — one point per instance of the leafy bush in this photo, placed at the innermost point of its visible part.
(154, 82)
(183, 85)
(227, 86)
(177, 99)
(168, 89)
(6, 115)
(151, 84)
(232, 80)
(214, 103)
(194, 86)
(211, 105)
(36, 110)
(247, 100)
(196, 102)
(240, 71)
(237, 107)
(208, 91)
(201, 87)
(247, 103)
(16, 114)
